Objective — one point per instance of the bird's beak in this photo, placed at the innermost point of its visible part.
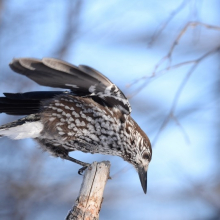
(143, 178)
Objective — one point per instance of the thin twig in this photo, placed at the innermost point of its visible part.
(183, 31)
(158, 32)
(180, 89)
(168, 56)
(186, 136)
(72, 26)
(152, 78)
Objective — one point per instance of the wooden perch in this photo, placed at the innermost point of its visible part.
(88, 204)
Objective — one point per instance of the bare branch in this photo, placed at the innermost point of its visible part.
(176, 41)
(158, 32)
(73, 8)
(150, 79)
(186, 136)
(168, 56)
(179, 91)
(182, 32)
(88, 204)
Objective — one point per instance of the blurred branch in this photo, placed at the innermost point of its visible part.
(72, 23)
(1, 9)
(206, 188)
(176, 41)
(182, 32)
(160, 29)
(179, 91)
(181, 128)
(168, 56)
(88, 204)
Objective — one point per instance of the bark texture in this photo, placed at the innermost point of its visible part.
(88, 204)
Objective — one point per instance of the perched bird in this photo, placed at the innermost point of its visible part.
(93, 116)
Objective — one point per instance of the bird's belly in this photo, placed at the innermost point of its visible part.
(107, 145)
(108, 142)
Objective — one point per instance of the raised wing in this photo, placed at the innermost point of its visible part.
(81, 80)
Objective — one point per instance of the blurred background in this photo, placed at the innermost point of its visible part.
(170, 72)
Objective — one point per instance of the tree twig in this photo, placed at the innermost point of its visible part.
(164, 24)
(72, 25)
(179, 91)
(168, 56)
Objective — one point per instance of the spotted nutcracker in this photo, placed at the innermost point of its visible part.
(93, 116)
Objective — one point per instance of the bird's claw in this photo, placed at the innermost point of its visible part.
(81, 170)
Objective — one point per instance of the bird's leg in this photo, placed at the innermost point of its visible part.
(61, 152)
(84, 165)
(81, 170)
(77, 161)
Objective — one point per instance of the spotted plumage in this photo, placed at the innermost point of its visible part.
(93, 116)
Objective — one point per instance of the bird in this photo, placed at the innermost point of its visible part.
(89, 114)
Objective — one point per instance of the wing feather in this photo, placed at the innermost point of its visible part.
(82, 80)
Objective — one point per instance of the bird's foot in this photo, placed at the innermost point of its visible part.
(81, 170)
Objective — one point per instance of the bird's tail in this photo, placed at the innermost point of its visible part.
(27, 127)
(24, 104)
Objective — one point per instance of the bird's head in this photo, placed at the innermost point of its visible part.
(141, 156)
(142, 161)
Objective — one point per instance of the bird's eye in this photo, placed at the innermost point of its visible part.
(146, 156)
